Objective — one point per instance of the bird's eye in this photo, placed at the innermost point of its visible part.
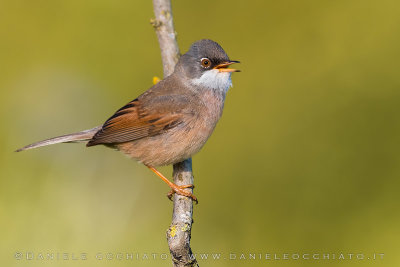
(205, 62)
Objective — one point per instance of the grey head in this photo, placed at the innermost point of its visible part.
(206, 65)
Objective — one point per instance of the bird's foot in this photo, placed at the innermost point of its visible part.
(180, 190)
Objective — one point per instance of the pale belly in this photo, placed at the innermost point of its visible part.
(171, 147)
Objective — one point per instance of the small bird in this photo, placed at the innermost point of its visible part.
(172, 120)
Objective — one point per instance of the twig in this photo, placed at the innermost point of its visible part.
(164, 26)
(179, 232)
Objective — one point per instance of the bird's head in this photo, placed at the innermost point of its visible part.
(207, 65)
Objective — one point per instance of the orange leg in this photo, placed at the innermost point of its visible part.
(179, 189)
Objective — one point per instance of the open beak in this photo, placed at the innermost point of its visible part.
(223, 67)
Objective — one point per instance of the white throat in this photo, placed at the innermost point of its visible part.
(214, 79)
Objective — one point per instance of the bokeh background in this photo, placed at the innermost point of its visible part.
(304, 160)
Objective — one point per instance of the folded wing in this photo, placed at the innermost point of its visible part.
(142, 118)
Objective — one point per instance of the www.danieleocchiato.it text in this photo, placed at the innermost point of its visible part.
(232, 256)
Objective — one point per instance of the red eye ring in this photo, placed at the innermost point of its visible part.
(205, 62)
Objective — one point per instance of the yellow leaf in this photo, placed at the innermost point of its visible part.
(156, 80)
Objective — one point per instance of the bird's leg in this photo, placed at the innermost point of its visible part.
(178, 189)
(172, 192)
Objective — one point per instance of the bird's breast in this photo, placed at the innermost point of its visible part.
(209, 111)
(183, 140)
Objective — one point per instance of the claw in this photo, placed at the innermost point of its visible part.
(180, 191)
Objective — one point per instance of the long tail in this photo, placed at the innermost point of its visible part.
(68, 138)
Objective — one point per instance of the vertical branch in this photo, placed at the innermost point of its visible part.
(164, 26)
(179, 232)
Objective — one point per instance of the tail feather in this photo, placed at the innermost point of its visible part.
(68, 138)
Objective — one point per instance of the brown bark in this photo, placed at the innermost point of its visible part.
(179, 232)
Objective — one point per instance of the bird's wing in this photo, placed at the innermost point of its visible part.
(142, 117)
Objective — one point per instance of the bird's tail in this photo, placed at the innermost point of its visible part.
(68, 138)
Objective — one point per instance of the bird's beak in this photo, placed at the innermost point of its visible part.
(223, 67)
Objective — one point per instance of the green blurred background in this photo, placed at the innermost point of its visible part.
(304, 160)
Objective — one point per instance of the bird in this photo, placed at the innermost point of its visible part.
(172, 120)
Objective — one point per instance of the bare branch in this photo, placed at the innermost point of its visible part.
(164, 26)
(179, 232)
